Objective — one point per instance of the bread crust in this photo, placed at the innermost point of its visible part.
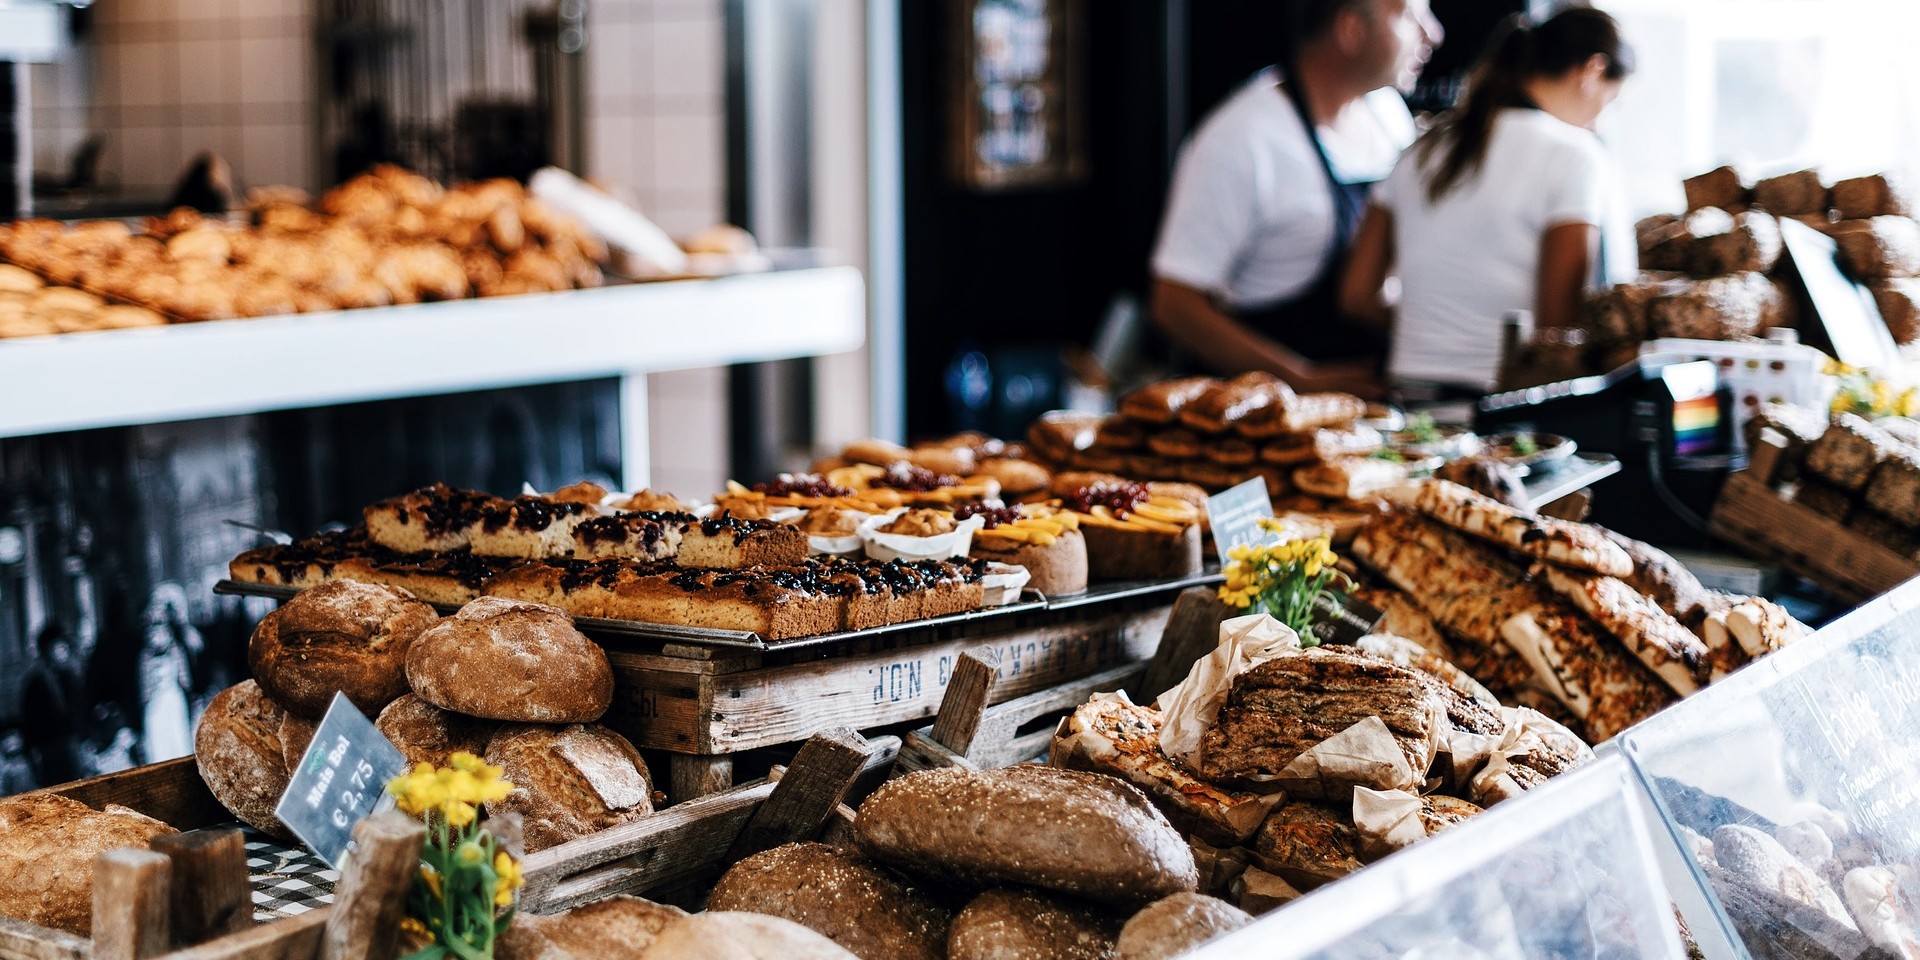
(1006, 924)
(1076, 833)
(840, 896)
(1117, 553)
(427, 734)
(511, 660)
(239, 750)
(569, 781)
(1171, 926)
(343, 636)
(47, 846)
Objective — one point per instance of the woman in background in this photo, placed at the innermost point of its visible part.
(1502, 206)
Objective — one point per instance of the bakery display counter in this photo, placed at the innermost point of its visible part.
(222, 368)
(1789, 792)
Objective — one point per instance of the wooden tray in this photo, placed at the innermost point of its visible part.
(1752, 516)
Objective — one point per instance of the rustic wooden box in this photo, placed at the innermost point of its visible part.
(1754, 517)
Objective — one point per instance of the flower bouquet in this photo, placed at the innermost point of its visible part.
(1281, 578)
(463, 898)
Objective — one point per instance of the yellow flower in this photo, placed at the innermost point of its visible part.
(462, 760)
(459, 813)
(509, 879)
(1240, 553)
(432, 879)
(1908, 402)
(1312, 568)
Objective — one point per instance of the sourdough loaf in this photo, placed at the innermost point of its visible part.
(736, 935)
(47, 846)
(569, 781)
(242, 756)
(1171, 927)
(343, 636)
(427, 734)
(617, 928)
(1007, 924)
(511, 660)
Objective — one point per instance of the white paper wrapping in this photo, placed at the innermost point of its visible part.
(894, 546)
(1003, 583)
(1192, 704)
(1386, 820)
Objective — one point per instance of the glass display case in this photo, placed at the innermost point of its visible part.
(1793, 790)
(1565, 872)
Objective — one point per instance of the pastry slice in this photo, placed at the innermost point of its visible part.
(1216, 411)
(1350, 478)
(447, 579)
(529, 528)
(1311, 411)
(1114, 736)
(1134, 535)
(1555, 541)
(432, 518)
(1044, 539)
(307, 562)
(1161, 403)
(632, 536)
(728, 542)
(1654, 638)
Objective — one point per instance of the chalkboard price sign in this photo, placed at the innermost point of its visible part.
(341, 779)
(1235, 515)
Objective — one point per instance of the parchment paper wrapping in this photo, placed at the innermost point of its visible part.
(1192, 704)
(1386, 821)
(1363, 755)
(896, 546)
(1531, 749)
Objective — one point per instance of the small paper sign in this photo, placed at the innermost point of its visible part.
(1235, 514)
(1340, 618)
(341, 779)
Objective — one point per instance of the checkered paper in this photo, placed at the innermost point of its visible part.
(287, 880)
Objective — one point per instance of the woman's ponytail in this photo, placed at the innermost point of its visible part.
(1520, 52)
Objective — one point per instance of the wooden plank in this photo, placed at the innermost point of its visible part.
(965, 703)
(1193, 630)
(1764, 460)
(170, 791)
(691, 777)
(1000, 744)
(372, 894)
(20, 940)
(806, 796)
(1761, 522)
(919, 751)
(212, 893)
(783, 704)
(294, 938)
(131, 898)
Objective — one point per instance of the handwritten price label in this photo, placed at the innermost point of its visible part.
(341, 779)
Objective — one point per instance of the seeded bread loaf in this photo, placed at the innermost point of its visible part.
(1007, 924)
(617, 928)
(1070, 832)
(1172, 926)
(343, 636)
(47, 846)
(840, 896)
(511, 660)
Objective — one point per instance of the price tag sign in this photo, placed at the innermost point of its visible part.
(342, 779)
(1235, 514)
(1342, 619)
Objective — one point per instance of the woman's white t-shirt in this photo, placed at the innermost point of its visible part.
(1250, 213)
(1467, 261)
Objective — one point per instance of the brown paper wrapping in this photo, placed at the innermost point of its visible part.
(1192, 704)
(1386, 820)
(1363, 755)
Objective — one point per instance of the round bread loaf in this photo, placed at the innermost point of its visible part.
(1024, 925)
(511, 660)
(341, 636)
(1170, 927)
(731, 935)
(1084, 834)
(617, 928)
(427, 734)
(569, 781)
(47, 846)
(839, 896)
(244, 747)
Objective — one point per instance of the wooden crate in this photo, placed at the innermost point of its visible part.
(702, 705)
(1757, 519)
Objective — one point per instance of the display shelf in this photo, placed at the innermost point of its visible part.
(223, 368)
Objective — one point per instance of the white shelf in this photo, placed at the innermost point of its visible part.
(188, 371)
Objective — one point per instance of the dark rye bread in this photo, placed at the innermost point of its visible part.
(427, 734)
(569, 781)
(344, 636)
(840, 896)
(1173, 926)
(511, 660)
(1081, 834)
(1289, 705)
(47, 846)
(1007, 924)
(242, 748)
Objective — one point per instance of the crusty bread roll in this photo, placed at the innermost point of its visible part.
(617, 928)
(839, 896)
(734, 935)
(1172, 926)
(1077, 833)
(244, 747)
(343, 636)
(1004, 924)
(427, 734)
(47, 846)
(511, 660)
(569, 781)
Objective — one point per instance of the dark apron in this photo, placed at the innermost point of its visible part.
(1310, 323)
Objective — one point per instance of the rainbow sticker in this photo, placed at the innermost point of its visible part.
(1696, 425)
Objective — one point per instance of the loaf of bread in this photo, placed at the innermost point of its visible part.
(1619, 314)
(1899, 302)
(427, 734)
(1060, 436)
(1004, 924)
(1172, 926)
(1718, 309)
(47, 846)
(1799, 426)
(1080, 834)
(1751, 243)
(242, 748)
(1894, 487)
(1121, 552)
(343, 636)
(1849, 450)
(569, 781)
(1307, 845)
(1880, 195)
(1721, 187)
(617, 928)
(1880, 248)
(736, 935)
(1825, 499)
(1112, 736)
(840, 896)
(1058, 568)
(511, 660)
(1792, 195)
(1161, 403)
